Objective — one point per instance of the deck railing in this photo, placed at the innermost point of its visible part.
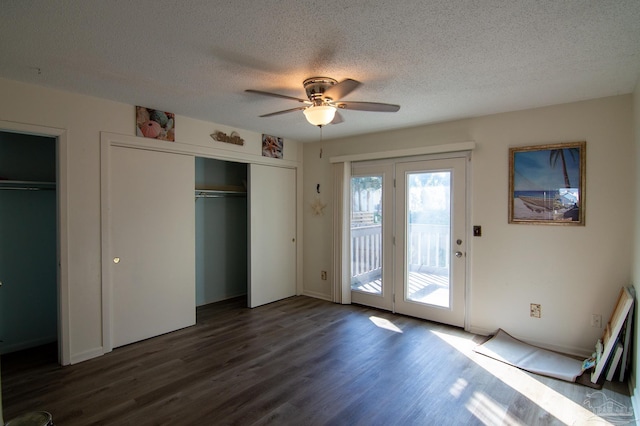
(366, 253)
(429, 250)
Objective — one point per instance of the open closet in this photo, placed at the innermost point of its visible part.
(221, 230)
(28, 242)
(181, 230)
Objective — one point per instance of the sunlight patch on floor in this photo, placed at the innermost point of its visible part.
(489, 412)
(458, 387)
(553, 402)
(384, 323)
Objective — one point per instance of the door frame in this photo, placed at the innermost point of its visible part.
(341, 215)
(60, 135)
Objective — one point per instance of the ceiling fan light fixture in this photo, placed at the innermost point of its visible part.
(320, 115)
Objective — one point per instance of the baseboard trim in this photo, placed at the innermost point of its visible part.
(317, 295)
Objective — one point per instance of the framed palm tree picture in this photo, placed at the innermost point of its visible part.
(547, 184)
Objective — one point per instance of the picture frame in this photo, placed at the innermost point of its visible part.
(272, 146)
(547, 184)
(155, 124)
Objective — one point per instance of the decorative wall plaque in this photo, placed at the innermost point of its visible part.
(233, 138)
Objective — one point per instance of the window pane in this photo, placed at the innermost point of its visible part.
(366, 234)
(428, 237)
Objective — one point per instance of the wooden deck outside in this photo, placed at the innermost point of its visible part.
(426, 288)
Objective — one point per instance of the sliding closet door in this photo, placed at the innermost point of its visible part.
(151, 255)
(272, 230)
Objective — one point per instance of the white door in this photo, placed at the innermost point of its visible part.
(430, 240)
(151, 252)
(272, 234)
(371, 248)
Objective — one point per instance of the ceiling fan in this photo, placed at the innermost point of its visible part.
(325, 96)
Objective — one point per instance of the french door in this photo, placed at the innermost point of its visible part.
(421, 227)
(431, 240)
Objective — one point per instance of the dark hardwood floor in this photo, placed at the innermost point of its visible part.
(300, 361)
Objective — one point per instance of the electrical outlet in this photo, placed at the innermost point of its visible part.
(323, 275)
(536, 310)
(596, 320)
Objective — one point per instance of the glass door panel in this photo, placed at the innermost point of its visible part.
(371, 235)
(428, 237)
(366, 234)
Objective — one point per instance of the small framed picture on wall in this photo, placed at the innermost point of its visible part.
(155, 124)
(272, 146)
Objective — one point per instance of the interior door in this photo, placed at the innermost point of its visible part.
(371, 235)
(272, 234)
(151, 253)
(430, 240)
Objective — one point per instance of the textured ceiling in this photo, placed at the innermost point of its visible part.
(440, 60)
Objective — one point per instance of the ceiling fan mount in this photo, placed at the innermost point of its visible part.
(315, 88)
(325, 98)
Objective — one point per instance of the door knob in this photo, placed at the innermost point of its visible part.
(458, 254)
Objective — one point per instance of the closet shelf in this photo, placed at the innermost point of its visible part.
(221, 191)
(27, 185)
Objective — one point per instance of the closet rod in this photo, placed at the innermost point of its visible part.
(27, 185)
(220, 194)
(26, 189)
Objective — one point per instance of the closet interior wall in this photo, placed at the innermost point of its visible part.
(28, 241)
(221, 230)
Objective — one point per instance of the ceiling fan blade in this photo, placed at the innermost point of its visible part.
(283, 112)
(337, 119)
(340, 90)
(369, 106)
(276, 95)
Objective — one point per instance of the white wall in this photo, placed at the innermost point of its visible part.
(571, 271)
(635, 374)
(84, 118)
